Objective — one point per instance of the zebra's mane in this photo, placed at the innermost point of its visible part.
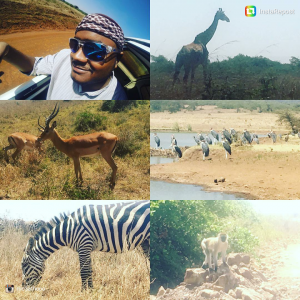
(53, 223)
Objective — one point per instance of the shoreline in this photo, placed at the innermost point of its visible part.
(206, 188)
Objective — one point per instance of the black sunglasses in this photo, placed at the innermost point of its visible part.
(94, 51)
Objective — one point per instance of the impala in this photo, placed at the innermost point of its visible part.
(20, 141)
(81, 146)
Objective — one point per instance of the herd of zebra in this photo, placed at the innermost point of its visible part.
(226, 138)
(31, 227)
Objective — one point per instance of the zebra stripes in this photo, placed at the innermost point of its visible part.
(108, 228)
(34, 227)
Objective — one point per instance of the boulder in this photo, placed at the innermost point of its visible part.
(195, 276)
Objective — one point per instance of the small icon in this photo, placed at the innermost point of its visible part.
(250, 11)
(9, 288)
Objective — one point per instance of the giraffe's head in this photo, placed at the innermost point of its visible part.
(32, 266)
(221, 15)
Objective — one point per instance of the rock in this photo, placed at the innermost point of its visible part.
(222, 179)
(195, 276)
(234, 259)
(227, 282)
(246, 259)
(232, 293)
(161, 292)
(215, 180)
(248, 294)
(208, 294)
(246, 273)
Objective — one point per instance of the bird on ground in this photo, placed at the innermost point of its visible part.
(214, 134)
(197, 140)
(247, 136)
(205, 149)
(273, 136)
(232, 131)
(227, 135)
(201, 137)
(256, 140)
(176, 150)
(157, 141)
(208, 140)
(227, 148)
(173, 139)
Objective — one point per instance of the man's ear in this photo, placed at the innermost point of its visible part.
(53, 125)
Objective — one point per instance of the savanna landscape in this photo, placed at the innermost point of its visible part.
(116, 276)
(258, 171)
(36, 28)
(50, 174)
(262, 254)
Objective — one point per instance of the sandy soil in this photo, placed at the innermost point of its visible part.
(37, 43)
(211, 117)
(263, 171)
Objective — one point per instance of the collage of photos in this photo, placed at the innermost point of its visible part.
(106, 141)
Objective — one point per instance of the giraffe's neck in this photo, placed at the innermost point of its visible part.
(205, 36)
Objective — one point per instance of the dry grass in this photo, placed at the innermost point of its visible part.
(51, 175)
(24, 15)
(115, 276)
(212, 117)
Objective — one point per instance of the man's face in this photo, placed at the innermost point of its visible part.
(92, 75)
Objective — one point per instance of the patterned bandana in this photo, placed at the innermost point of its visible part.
(103, 25)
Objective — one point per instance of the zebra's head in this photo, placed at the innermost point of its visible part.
(32, 266)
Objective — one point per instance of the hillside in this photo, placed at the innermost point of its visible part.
(22, 15)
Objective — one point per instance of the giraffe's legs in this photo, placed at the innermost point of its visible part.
(178, 64)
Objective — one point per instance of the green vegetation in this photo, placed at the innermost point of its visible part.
(240, 77)
(253, 105)
(50, 175)
(177, 228)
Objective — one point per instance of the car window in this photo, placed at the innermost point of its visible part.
(133, 64)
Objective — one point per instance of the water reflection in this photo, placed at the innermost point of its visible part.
(161, 190)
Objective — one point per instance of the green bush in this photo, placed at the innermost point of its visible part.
(86, 121)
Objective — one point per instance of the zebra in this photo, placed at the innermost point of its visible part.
(109, 228)
(34, 227)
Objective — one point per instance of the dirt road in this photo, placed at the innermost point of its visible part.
(280, 263)
(36, 43)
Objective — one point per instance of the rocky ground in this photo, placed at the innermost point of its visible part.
(272, 277)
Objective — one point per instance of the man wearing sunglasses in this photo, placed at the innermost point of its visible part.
(87, 72)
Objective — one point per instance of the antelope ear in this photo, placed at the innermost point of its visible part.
(53, 124)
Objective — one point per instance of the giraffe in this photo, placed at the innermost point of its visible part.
(196, 53)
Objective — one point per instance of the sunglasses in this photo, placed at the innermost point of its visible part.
(94, 51)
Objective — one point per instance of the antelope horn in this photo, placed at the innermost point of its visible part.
(40, 124)
(52, 115)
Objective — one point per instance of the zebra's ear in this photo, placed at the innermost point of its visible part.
(29, 245)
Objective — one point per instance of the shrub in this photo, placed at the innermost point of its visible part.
(86, 121)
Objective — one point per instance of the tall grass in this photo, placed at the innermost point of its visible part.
(115, 276)
(50, 175)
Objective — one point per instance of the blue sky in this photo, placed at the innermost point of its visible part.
(175, 23)
(31, 210)
(132, 15)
